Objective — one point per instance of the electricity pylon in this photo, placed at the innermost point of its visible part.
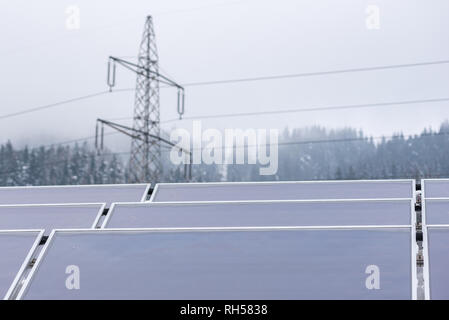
(145, 160)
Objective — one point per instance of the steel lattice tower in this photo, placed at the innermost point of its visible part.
(145, 161)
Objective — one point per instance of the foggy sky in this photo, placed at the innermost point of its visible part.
(42, 62)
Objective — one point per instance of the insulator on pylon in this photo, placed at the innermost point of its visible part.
(180, 102)
(111, 74)
(96, 136)
(102, 136)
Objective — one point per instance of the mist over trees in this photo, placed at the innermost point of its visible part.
(313, 153)
(318, 154)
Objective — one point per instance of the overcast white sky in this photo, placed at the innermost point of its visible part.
(199, 40)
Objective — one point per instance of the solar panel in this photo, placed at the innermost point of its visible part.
(266, 263)
(374, 189)
(16, 248)
(436, 211)
(435, 219)
(437, 262)
(435, 188)
(48, 217)
(74, 194)
(267, 213)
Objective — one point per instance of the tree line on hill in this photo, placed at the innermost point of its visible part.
(313, 153)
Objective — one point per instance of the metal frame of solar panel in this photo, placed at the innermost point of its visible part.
(425, 202)
(411, 183)
(25, 207)
(23, 191)
(268, 210)
(48, 245)
(26, 259)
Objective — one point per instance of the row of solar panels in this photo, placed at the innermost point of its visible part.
(369, 189)
(216, 214)
(247, 249)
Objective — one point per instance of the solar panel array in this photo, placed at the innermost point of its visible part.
(29, 214)
(270, 240)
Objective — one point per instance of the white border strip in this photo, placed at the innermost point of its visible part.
(287, 182)
(75, 204)
(438, 198)
(425, 240)
(80, 186)
(415, 250)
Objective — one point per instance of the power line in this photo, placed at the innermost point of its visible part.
(366, 139)
(64, 160)
(271, 112)
(56, 104)
(51, 105)
(310, 141)
(226, 81)
(356, 106)
(326, 108)
(75, 140)
(310, 74)
(262, 113)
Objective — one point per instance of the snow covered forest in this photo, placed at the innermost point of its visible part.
(313, 153)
